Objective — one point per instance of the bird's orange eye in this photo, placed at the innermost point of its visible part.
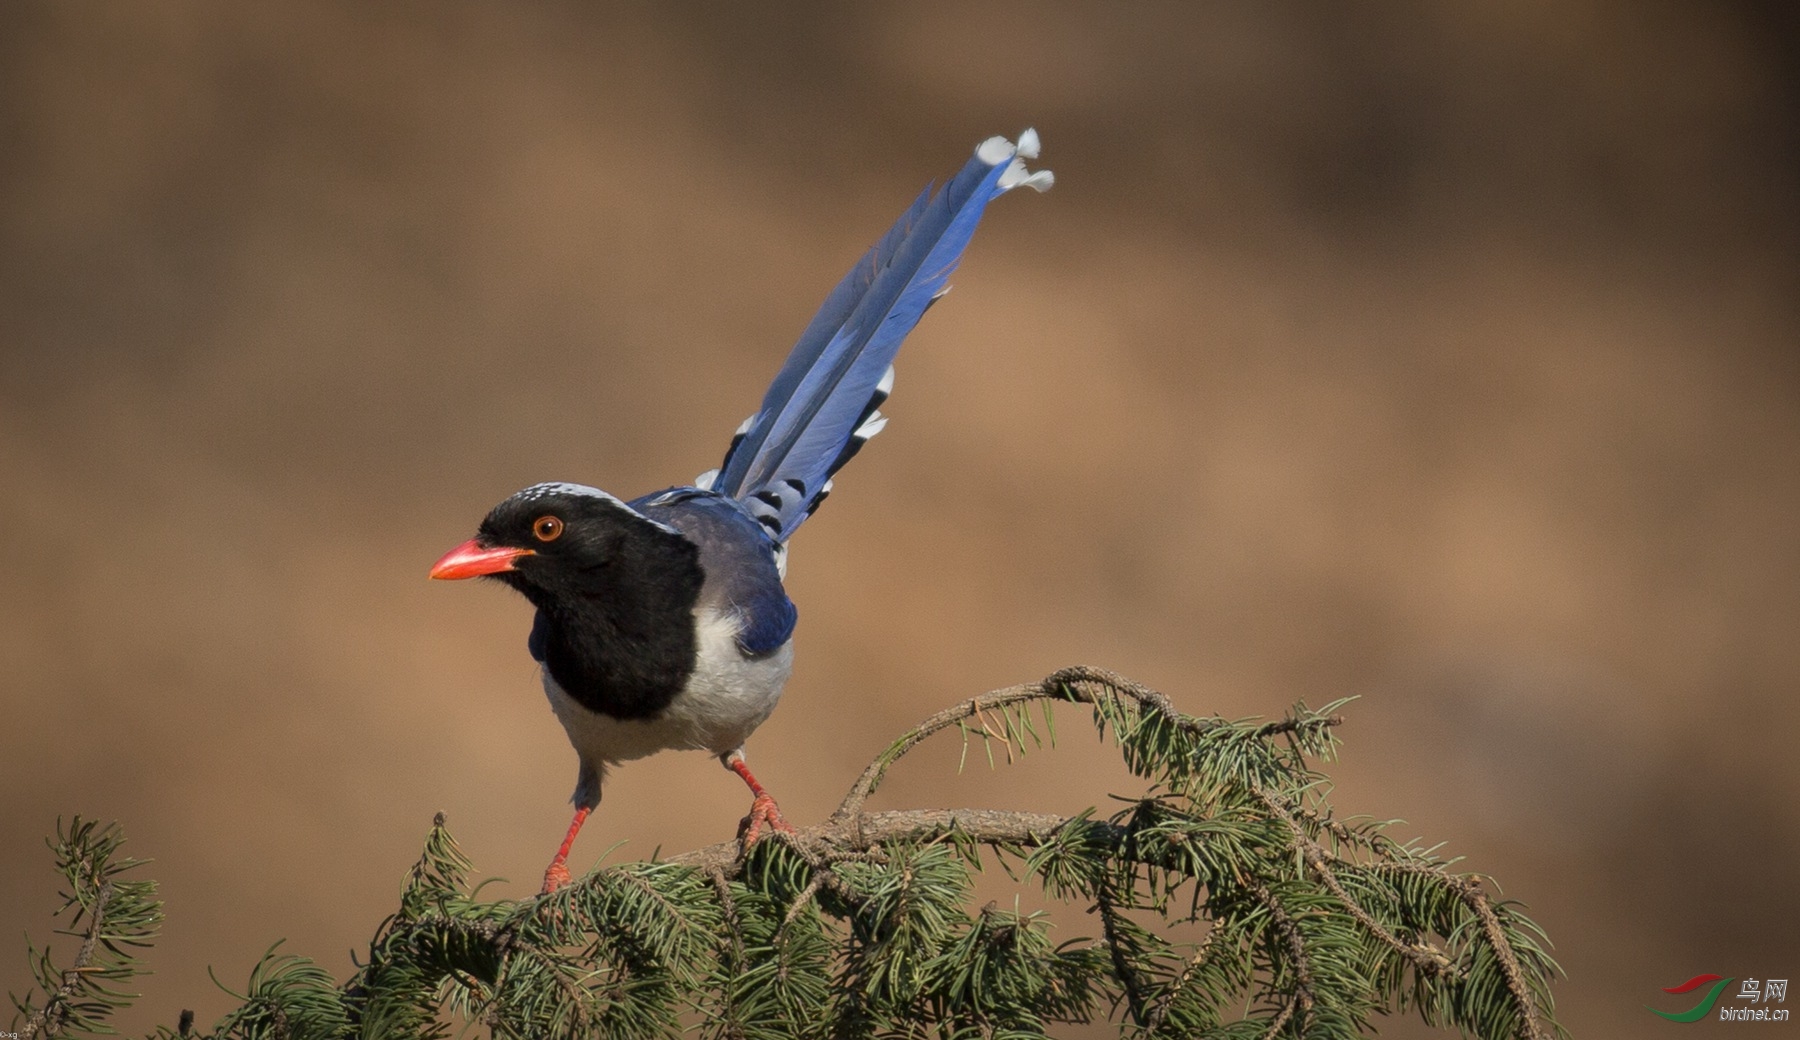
(547, 528)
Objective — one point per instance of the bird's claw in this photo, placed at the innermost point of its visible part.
(555, 877)
(763, 812)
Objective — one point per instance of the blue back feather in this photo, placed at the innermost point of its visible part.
(739, 559)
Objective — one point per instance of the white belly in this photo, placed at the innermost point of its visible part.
(727, 697)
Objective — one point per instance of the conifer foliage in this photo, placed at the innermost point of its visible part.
(1302, 923)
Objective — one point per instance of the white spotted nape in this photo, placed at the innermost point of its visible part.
(563, 489)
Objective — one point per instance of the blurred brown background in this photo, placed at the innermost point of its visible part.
(1448, 356)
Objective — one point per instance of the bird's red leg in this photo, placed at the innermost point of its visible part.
(762, 809)
(557, 874)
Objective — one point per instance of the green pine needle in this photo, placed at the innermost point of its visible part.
(1227, 899)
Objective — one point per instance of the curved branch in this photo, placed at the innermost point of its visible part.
(871, 776)
(1425, 957)
(1473, 894)
(1469, 889)
(1079, 684)
(49, 1017)
(1290, 935)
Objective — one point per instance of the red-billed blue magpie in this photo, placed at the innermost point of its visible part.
(662, 621)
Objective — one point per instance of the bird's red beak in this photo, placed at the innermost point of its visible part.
(472, 559)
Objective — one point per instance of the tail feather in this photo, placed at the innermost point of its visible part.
(823, 404)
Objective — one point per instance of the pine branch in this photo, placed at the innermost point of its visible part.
(1424, 956)
(1079, 684)
(50, 1018)
(860, 924)
(1301, 963)
(120, 915)
(1119, 948)
(1189, 973)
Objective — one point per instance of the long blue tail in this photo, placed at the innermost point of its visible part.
(822, 406)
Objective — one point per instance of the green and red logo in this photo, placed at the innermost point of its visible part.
(1702, 1009)
(1751, 993)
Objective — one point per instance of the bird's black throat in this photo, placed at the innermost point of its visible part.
(618, 634)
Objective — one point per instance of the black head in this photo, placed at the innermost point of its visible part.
(615, 592)
(561, 542)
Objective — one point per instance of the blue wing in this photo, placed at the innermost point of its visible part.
(738, 555)
(822, 405)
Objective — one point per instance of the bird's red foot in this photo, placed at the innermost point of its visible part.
(555, 877)
(763, 813)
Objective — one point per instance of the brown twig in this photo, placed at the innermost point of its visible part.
(1425, 957)
(805, 898)
(871, 776)
(1469, 889)
(734, 947)
(1290, 934)
(1080, 684)
(1109, 931)
(49, 1018)
(1375, 841)
(1202, 953)
(1281, 1020)
(1475, 896)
